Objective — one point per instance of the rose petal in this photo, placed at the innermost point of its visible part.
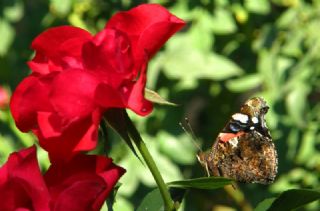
(109, 55)
(81, 135)
(135, 98)
(139, 20)
(72, 94)
(83, 183)
(30, 96)
(23, 187)
(50, 124)
(54, 44)
(107, 97)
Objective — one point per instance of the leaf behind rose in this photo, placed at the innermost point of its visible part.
(156, 98)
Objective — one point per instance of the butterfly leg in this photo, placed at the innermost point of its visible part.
(207, 170)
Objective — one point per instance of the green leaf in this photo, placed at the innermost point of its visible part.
(122, 204)
(130, 181)
(240, 13)
(292, 46)
(61, 7)
(14, 12)
(201, 30)
(259, 7)
(288, 18)
(296, 103)
(265, 204)
(293, 199)
(7, 36)
(222, 68)
(183, 147)
(244, 83)
(152, 201)
(223, 22)
(156, 98)
(307, 144)
(196, 65)
(208, 183)
(183, 62)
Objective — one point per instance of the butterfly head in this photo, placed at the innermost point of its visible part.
(255, 107)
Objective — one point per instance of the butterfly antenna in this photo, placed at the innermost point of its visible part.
(190, 133)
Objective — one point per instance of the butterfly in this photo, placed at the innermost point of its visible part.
(244, 150)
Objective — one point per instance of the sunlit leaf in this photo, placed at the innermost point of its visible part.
(259, 7)
(292, 47)
(241, 13)
(7, 36)
(61, 7)
(122, 204)
(201, 31)
(296, 103)
(168, 169)
(306, 148)
(223, 22)
(244, 83)
(14, 12)
(130, 180)
(185, 150)
(288, 18)
(222, 67)
(6, 148)
(183, 62)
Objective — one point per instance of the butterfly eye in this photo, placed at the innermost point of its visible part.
(265, 109)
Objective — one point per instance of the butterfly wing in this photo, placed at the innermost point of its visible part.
(244, 149)
(250, 158)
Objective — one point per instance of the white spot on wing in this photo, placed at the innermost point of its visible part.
(243, 118)
(254, 120)
(251, 128)
(233, 142)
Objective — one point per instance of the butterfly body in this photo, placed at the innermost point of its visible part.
(244, 150)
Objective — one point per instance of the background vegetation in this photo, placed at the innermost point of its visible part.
(229, 51)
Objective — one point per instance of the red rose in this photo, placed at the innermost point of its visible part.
(81, 184)
(84, 183)
(77, 76)
(21, 183)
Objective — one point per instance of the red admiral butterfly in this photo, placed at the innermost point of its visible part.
(244, 150)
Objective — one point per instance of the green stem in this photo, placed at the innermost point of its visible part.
(134, 134)
(157, 176)
(236, 194)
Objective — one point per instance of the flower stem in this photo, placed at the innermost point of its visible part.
(134, 134)
(119, 120)
(157, 176)
(236, 194)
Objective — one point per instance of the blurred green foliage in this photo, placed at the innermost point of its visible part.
(228, 52)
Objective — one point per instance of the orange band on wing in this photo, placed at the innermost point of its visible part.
(225, 137)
